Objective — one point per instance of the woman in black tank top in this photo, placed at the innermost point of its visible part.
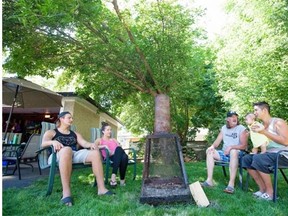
(64, 141)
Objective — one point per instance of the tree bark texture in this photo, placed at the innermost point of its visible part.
(162, 114)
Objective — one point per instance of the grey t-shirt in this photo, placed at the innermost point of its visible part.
(231, 136)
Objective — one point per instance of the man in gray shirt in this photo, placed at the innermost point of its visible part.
(235, 138)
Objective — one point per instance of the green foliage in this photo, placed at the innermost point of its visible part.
(32, 200)
(138, 114)
(119, 58)
(122, 59)
(209, 109)
(252, 56)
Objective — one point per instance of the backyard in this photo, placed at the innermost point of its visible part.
(32, 200)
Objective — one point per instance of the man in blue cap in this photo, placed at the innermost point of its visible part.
(235, 138)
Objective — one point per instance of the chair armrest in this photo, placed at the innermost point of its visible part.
(45, 149)
(279, 153)
(107, 159)
(276, 165)
(133, 153)
(11, 150)
(43, 156)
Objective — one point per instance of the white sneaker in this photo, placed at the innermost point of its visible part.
(258, 194)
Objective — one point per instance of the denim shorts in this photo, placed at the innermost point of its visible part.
(223, 157)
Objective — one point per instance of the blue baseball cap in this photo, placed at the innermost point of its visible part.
(62, 114)
(231, 113)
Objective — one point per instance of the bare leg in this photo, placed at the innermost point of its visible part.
(267, 183)
(258, 179)
(65, 167)
(233, 166)
(210, 157)
(263, 149)
(95, 158)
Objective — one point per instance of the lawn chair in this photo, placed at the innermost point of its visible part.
(15, 154)
(275, 170)
(9, 157)
(226, 164)
(96, 133)
(10, 138)
(44, 153)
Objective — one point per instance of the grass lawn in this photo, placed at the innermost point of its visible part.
(32, 200)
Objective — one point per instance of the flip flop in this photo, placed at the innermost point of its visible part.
(67, 201)
(205, 184)
(108, 193)
(113, 183)
(229, 190)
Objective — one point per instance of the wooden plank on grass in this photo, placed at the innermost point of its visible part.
(198, 194)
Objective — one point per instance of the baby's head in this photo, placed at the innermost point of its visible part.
(250, 118)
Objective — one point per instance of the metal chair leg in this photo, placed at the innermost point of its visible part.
(275, 183)
(224, 171)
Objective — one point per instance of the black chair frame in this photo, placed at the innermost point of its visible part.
(226, 164)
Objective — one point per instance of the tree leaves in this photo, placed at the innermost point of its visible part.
(252, 62)
(119, 58)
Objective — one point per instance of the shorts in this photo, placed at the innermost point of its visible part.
(78, 156)
(263, 162)
(223, 157)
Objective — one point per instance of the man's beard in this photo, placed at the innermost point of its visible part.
(231, 124)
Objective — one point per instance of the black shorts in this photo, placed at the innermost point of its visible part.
(263, 162)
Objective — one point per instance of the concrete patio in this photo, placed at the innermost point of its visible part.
(28, 177)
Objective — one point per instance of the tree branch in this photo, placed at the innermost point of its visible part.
(138, 50)
(119, 75)
(65, 37)
(96, 32)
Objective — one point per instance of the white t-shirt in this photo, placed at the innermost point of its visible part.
(231, 136)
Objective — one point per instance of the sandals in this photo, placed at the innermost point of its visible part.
(108, 193)
(67, 201)
(205, 184)
(229, 190)
(266, 197)
(257, 194)
(113, 183)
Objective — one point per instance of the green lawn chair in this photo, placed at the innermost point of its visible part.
(44, 153)
(96, 133)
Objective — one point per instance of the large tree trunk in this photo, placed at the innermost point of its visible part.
(162, 114)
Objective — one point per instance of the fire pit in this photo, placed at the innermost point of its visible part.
(164, 176)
